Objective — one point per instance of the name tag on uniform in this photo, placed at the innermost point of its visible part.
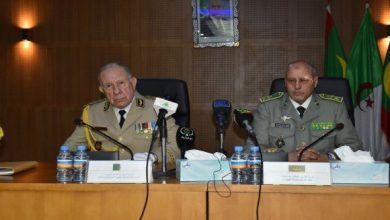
(282, 125)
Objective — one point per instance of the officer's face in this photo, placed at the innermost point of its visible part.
(300, 82)
(117, 86)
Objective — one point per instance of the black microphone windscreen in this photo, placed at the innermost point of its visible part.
(222, 109)
(185, 136)
(242, 116)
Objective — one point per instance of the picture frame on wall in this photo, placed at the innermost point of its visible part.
(215, 23)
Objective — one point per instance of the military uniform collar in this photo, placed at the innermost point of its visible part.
(305, 104)
(127, 109)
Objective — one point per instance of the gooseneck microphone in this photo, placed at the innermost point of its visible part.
(164, 109)
(185, 138)
(244, 118)
(338, 126)
(80, 122)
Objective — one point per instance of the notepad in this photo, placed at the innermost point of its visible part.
(10, 168)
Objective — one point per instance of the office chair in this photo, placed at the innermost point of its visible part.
(170, 89)
(329, 85)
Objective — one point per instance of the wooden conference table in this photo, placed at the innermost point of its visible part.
(34, 194)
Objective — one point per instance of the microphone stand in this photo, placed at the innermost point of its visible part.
(82, 123)
(163, 138)
(339, 126)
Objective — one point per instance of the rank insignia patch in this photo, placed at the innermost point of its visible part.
(140, 103)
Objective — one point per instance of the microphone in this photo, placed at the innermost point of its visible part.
(222, 109)
(338, 126)
(243, 117)
(164, 109)
(80, 122)
(185, 138)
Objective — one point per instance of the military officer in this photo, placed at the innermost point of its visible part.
(290, 121)
(125, 115)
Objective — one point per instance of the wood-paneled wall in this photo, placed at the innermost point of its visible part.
(43, 87)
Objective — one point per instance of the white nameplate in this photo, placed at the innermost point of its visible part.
(297, 173)
(118, 171)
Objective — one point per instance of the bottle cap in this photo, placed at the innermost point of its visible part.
(64, 148)
(237, 148)
(254, 149)
(81, 148)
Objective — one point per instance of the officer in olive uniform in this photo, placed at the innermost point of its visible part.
(279, 125)
(118, 86)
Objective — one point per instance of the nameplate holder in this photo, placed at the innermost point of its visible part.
(118, 171)
(297, 173)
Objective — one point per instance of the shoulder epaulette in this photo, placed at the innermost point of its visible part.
(106, 105)
(335, 98)
(274, 96)
(95, 102)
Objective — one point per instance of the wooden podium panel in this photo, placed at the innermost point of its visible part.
(300, 202)
(35, 195)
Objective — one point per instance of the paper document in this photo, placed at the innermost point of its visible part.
(10, 168)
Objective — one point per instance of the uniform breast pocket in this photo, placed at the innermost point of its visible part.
(326, 144)
(282, 138)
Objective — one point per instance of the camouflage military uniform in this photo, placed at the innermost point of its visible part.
(278, 126)
(135, 133)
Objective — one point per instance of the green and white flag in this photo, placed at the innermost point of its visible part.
(365, 73)
(335, 62)
(386, 101)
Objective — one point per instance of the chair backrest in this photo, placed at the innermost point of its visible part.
(329, 85)
(171, 89)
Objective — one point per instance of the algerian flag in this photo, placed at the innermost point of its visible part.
(364, 72)
(335, 64)
(386, 102)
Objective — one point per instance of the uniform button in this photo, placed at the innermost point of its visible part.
(120, 139)
(303, 144)
(302, 127)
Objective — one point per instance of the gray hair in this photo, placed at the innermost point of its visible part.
(114, 65)
(299, 64)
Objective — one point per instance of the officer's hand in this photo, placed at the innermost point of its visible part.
(309, 154)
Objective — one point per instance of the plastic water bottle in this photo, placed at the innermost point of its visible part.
(254, 165)
(64, 165)
(238, 166)
(80, 161)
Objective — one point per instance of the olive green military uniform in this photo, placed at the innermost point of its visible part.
(135, 133)
(278, 126)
